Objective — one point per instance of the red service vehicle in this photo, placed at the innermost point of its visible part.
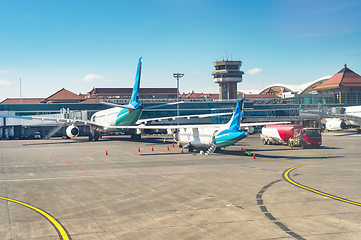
(292, 134)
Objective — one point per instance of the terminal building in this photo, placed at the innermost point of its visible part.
(122, 95)
(343, 89)
(277, 102)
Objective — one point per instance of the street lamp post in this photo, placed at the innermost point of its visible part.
(178, 76)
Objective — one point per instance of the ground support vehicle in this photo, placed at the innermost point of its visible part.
(292, 134)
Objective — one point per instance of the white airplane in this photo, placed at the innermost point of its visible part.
(347, 116)
(212, 136)
(116, 118)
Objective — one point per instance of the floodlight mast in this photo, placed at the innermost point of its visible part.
(178, 76)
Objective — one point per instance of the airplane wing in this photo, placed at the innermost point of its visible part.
(131, 107)
(344, 117)
(172, 118)
(117, 105)
(57, 120)
(193, 125)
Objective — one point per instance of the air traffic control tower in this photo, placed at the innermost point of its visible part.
(227, 75)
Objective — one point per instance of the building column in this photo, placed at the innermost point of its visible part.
(3, 128)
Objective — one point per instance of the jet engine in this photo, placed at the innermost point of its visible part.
(335, 125)
(72, 131)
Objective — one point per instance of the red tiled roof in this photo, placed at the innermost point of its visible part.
(193, 95)
(344, 78)
(129, 90)
(91, 100)
(270, 90)
(282, 91)
(65, 95)
(21, 101)
(259, 96)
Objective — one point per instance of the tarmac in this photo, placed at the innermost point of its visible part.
(119, 189)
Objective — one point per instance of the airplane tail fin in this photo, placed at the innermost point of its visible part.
(235, 121)
(135, 93)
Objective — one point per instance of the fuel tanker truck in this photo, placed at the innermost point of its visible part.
(292, 134)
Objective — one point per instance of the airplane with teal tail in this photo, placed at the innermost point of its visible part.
(115, 119)
(212, 136)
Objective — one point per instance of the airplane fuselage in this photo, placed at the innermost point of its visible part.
(116, 117)
(352, 116)
(354, 111)
(203, 137)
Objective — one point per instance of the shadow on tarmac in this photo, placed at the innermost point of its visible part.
(151, 139)
(165, 153)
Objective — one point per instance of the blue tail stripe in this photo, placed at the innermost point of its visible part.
(235, 121)
(135, 93)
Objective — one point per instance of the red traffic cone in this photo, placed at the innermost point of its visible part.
(254, 156)
(106, 152)
(182, 150)
(291, 145)
(167, 148)
(138, 149)
(173, 145)
(241, 149)
(152, 149)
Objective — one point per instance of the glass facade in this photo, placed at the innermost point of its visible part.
(356, 97)
(310, 99)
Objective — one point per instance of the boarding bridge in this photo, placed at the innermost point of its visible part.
(10, 127)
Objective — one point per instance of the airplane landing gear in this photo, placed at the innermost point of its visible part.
(94, 135)
(135, 136)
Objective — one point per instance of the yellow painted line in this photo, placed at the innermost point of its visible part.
(287, 178)
(59, 228)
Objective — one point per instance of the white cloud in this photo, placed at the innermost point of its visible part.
(3, 71)
(92, 77)
(4, 83)
(254, 71)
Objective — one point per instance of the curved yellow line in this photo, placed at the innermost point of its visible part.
(56, 224)
(287, 177)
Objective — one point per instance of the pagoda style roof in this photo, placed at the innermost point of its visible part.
(270, 91)
(284, 90)
(21, 100)
(129, 90)
(193, 95)
(63, 95)
(258, 96)
(344, 78)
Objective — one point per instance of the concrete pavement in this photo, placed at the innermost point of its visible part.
(75, 191)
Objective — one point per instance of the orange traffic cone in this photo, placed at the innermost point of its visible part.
(106, 152)
(254, 156)
(291, 145)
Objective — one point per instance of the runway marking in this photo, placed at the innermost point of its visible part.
(286, 176)
(141, 174)
(270, 216)
(58, 227)
(72, 165)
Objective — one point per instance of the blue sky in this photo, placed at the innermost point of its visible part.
(79, 45)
